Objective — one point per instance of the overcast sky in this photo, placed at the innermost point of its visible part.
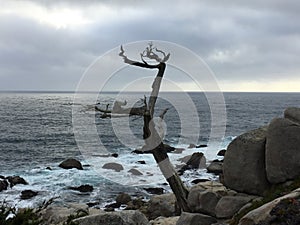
(249, 45)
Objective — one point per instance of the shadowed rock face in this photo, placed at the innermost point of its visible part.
(283, 147)
(244, 163)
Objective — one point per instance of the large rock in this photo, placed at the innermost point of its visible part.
(215, 167)
(244, 163)
(283, 149)
(123, 198)
(195, 219)
(129, 217)
(293, 114)
(70, 164)
(289, 211)
(161, 205)
(229, 205)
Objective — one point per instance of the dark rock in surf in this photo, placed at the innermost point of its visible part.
(83, 188)
(28, 194)
(155, 191)
(14, 180)
(135, 172)
(3, 185)
(70, 164)
(115, 155)
(196, 161)
(144, 150)
(196, 181)
(123, 198)
(113, 166)
(141, 162)
(201, 146)
(221, 152)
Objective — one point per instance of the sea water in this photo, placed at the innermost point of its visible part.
(37, 131)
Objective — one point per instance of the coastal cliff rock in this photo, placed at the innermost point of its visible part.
(283, 148)
(70, 164)
(244, 163)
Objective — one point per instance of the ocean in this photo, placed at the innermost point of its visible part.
(40, 130)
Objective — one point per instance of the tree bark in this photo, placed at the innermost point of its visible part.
(153, 141)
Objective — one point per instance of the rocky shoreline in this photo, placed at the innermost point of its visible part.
(259, 185)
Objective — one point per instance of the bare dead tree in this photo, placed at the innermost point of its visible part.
(153, 141)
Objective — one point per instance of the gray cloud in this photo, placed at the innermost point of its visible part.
(239, 40)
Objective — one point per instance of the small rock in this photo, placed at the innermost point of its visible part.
(164, 220)
(83, 188)
(178, 150)
(155, 191)
(197, 160)
(196, 181)
(14, 180)
(48, 168)
(109, 209)
(123, 198)
(135, 172)
(192, 146)
(201, 146)
(222, 152)
(92, 204)
(113, 166)
(141, 162)
(70, 164)
(27, 194)
(161, 205)
(215, 167)
(115, 155)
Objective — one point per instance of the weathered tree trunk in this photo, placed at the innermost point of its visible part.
(153, 142)
(152, 139)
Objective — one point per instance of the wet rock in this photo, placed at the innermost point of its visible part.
(27, 194)
(3, 185)
(143, 150)
(155, 191)
(197, 160)
(115, 155)
(70, 164)
(221, 152)
(195, 219)
(141, 162)
(192, 146)
(83, 188)
(201, 146)
(196, 181)
(113, 166)
(14, 180)
(48, 168)
(135, 172)
(123, 198)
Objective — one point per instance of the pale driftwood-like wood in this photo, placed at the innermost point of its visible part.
(152, 139)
